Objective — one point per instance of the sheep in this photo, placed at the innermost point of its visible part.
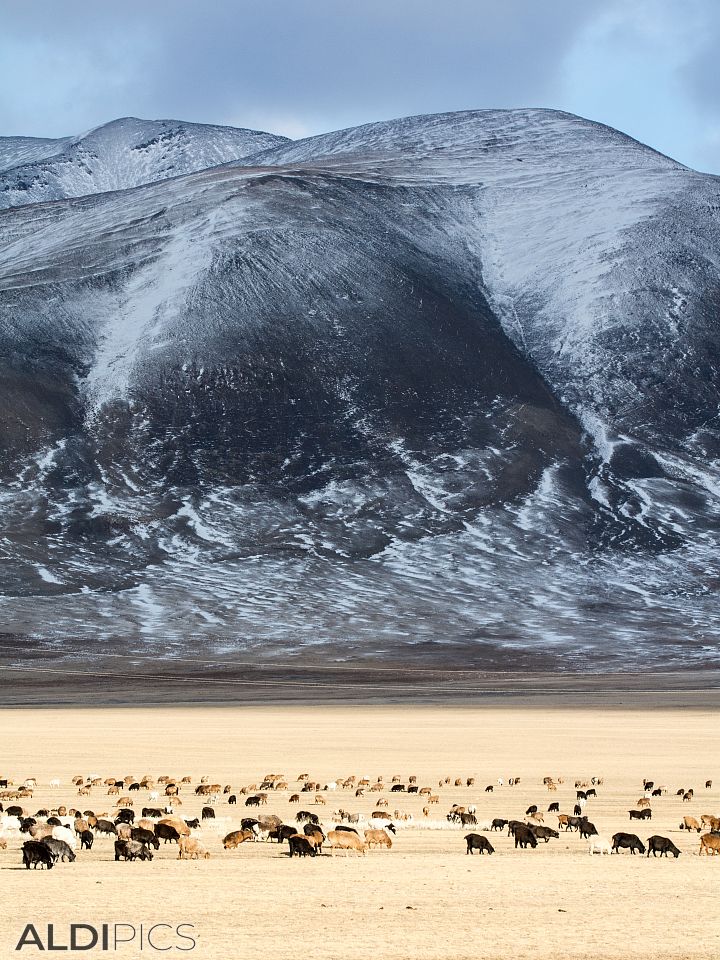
(234, 839)
(340, 840)
(599, 845)
(67, 835)
(376, 838)
(192, 849)
(709, 844)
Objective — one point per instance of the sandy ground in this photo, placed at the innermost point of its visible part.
(424, 898)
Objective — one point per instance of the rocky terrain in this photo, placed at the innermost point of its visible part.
(442, 389)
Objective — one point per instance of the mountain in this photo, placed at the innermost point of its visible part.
(442, 389)
(116, 156)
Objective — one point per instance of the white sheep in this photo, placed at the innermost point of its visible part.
(599, 845)
(66, 834)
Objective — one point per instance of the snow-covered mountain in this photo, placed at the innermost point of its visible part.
(117, 156)
(444, 387)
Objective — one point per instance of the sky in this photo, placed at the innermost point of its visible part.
(300, 67)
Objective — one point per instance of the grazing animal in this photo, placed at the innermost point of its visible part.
(151, 812)
(475, 841)
(304, 816)
(543, 833)
(315, 834)
(627, 841)
(377, 838)
(340, 840)
(232, 799)
(599, 845)
(587, 829)
(192, 849)
(147, 837)
(131, 850)
(123, 831)
(690, 823)
(489, 788)
(524, 836)
(709, 844)
(284, 832)
(554, 808)
(301, 846)
(531, 810)
(208, 813)
(105, 826)
(193, 824)
(661, 845)
(59, 849)
(165, 832)
(36, 852)
(498, 824)
(645, 814)
(178, 824)
(86, 840)
(708, 784)
(234, 839)
(253, 801)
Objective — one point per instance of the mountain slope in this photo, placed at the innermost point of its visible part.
(442, 387)
(117, 156)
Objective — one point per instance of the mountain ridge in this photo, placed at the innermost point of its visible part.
(456, 375)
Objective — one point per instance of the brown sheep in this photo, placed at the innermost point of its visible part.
(191, 849)
(295, 798)
(178, 824)
(709, 844)
(377, 838)
(434, 798)
(234, 839)
(690, 823)
(123, 831)
(340, 840)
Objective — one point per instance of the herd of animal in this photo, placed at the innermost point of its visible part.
(58, 832)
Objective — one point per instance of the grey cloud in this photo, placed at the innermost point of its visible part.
(325, 64)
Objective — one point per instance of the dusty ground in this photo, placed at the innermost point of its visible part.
(423, 899)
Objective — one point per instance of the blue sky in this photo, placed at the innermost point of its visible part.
(644, 66)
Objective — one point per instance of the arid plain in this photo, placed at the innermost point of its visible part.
(424, 898)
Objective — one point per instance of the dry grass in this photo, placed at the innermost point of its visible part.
(423, 899)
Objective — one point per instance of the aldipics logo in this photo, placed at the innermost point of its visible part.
(160, 937)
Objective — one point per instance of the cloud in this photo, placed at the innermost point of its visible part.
(302, 68)
(647, 69)
(315, 66)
